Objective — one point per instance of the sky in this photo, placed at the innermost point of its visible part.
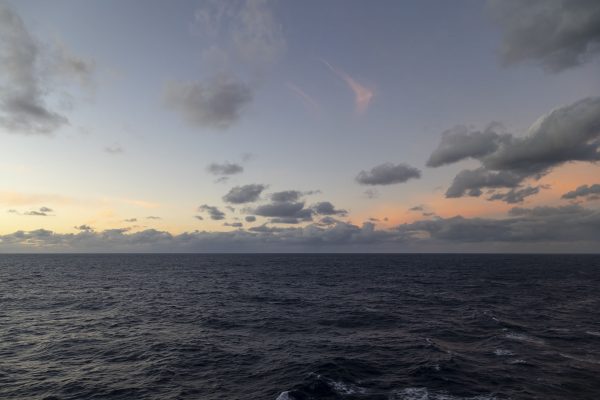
(287, 126)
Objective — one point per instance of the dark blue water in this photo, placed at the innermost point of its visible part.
(416, 327)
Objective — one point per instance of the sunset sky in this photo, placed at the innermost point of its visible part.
(300, 126)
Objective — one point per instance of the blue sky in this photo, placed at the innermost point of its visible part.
(155, 92)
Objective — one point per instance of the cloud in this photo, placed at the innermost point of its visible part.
(213, 212)
(130, 220)
(85, 228)
(539, 224)
(234, 224)
(286, 196)
(307, 100)
(244, 194)
(225, 168)
(557, 34)
(283, 210)
(371, 193)
(199, 217)
(250, 218)
(114, 148)
(30, 74)
(153, 217)
(246, 30)
(362, 94)
(590, 192)
(566, 229)
(417, 208)
(41, 212)
(216, 103)
(388, 174)
(326, 208)
(516, 195)
(460, 143)
(566, 134)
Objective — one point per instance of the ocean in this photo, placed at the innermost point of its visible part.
(296, 327)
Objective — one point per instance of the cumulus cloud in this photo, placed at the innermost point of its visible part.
(557, 34)
(291, 196)
(286, 196)
(326, 208)
(590, 192)
(233, 224)
(85, 228)
(40, 212)
(213, 212)
(566, 228)
(388, 174)
(514, 196)
(566, 134)
(216, 103)
(30, 73)
(250, 218)
(539, 224)
(283, 210)
(459, 143)
(244, 194)
(225, 168)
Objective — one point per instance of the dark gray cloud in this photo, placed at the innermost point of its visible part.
(568, 228)
(130, 220)
(460, 143)
(233, 224)
(30, 73)
(285, 220)
(417, 208)
(84, 228)
(225, 168)
(330, 221)
(244, 194)
(286, 196)
(250, 218)
(591, 191)
(570, 133)
(388, 174)
(514, 196)
(557, 34)
(282, 210)
(470, 181)
(326, 208)
(199, 217)
(539, 224)
(212, 211)
(216, 103)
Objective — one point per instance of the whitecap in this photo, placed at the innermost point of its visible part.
(421, 393)
(585, 360)
(593, 333)
(284, 396)
(523, 338)
(346, 388)
(503, 352)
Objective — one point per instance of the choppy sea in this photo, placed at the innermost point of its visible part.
(296, 327)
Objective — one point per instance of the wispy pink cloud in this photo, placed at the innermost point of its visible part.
(308, 101)
(362, 94)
